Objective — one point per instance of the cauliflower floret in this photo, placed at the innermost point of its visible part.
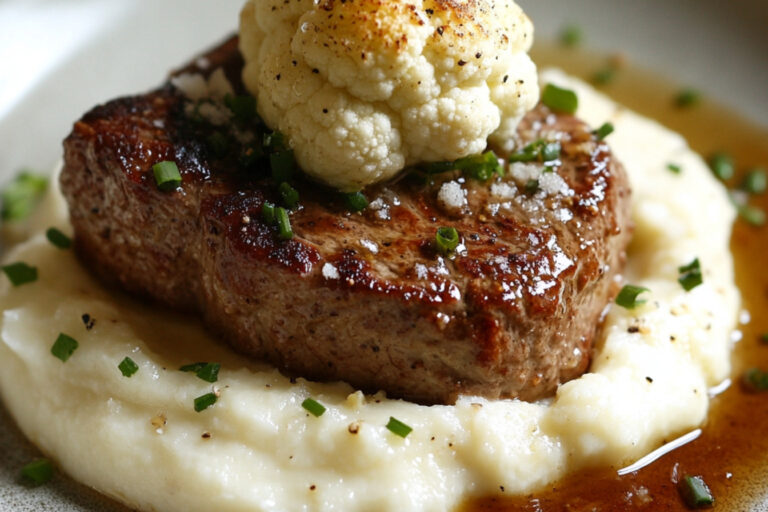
(363, 88)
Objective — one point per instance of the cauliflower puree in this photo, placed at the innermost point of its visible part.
(140, 440)
(364, 88)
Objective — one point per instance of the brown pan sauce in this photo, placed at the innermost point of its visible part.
(732, 452)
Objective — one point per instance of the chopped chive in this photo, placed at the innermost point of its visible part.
(755, 181)
(167, 175)
(289, 195)
(282, 165)
(674, 168)
(605, 130)
(314, 407)
(628, 296)
(193, 367)
(764, 338)
(571, 35)
(398, 428)
(446, 239)
(209, 372)
(20, 273)
(531, 186)
(687, 98)
(58, 238)
(37, 472)
(356, 201)
(480, 167)
(20, 197)
(551, 151)
(695, 492)
(268, 213)
(205, 401)
(274, 141)
(283, 224)
(755, 380)
(243, 107)
(559, 99)
(722, 165)
(540, 150)
(690, 275)
(128, 367)
(218, 143)
(64, 347)
(752, 215)
(604, 76)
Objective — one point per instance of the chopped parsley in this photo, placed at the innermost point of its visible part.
(20, 273)
(58, 239)
(64, 347)
(128, 367)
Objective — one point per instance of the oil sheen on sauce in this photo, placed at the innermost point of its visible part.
(732, 452)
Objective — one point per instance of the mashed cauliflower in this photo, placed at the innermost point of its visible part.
(140, 440)
(364, 88)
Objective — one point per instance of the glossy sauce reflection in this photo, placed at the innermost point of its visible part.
(732, 452)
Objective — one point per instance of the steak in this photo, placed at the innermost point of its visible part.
(367, 297)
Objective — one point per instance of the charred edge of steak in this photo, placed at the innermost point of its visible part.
(359, 297)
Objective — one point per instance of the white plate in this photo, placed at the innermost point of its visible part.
(60, 57)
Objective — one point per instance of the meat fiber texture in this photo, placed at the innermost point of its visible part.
(365, 88)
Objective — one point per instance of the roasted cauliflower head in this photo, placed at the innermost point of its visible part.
(364, 88)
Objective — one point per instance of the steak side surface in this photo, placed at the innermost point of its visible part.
(361, 297)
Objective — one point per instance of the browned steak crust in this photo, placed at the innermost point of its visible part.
(360, 297)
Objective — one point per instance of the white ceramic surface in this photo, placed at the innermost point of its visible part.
(60, 57)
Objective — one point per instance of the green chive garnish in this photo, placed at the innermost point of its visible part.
(695, 493)
(480, 167)
(605, 130)
(128, 367)
(674, 168)
(205, 401)
(209, 372)
(571, 35)
(243, 107)
(20, 273)
(722, 165)
(356, 202)
(64, 347)
(398, 428)
(628, 296)
(764, 338)
(446, 239)
(755, 181)
(19, 197)
(282, 164)
(539, 151)
(289, 195)
(58, 238)
(752, 215)
(274, 141)
(690, 275)
(193, 367)
(755, 380)
(439, 167)
(268, 213)
(37, 472)
(314, 407)
(167, 176)
(687, 98)
(531, 186)
(284, 230)
(559, 99)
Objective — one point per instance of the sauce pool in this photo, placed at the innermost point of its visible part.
(732, 452)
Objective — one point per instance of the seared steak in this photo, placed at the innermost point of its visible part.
(362, 297)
